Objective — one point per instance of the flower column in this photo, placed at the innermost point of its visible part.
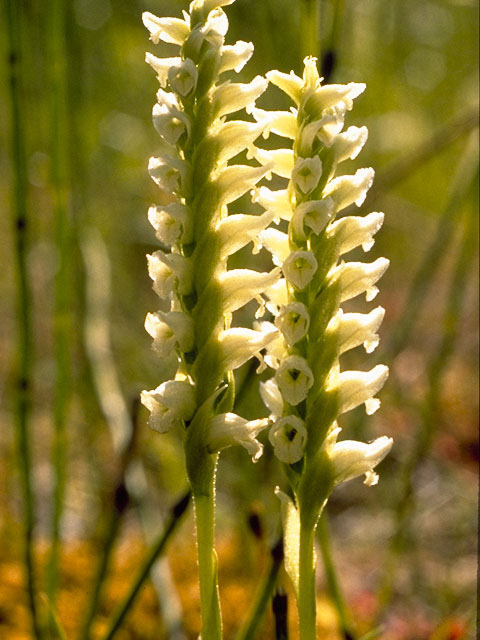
(308, 391)
(196, 144)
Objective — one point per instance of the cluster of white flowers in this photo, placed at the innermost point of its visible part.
(196, 144)
(308, 391)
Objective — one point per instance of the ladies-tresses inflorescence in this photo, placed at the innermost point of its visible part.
(308, 391)
(196, 144)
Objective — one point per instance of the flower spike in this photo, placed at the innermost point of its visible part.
(308, 390)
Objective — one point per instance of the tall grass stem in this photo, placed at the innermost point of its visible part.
(309, 28)
(57, 60)
(24, 358)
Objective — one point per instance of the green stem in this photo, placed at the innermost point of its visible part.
(207, 565)
(323, 535)
(309, 25)
(306, 583)
(154, 553)
(59, 181)
(249, 629)
(24, 299)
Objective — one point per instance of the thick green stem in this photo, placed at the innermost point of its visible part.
(24, 302)
(306, 583)
(207, 565)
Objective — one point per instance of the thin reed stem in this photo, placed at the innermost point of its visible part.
(57, 51)
(24, 356)
(309, 26)
(265, 592)
(323, 535)
(155, 552)
(329, 59)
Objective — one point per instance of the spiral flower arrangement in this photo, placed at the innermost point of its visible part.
(309, 391)
(303, 291)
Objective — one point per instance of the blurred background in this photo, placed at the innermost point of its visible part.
(74, 192)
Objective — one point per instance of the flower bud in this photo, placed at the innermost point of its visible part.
(311, 79)
(230, 96)
(171, 30)
(290, 84)
(169, 404)
(358, 277)
(306, 174)
(288, 437)
(277, 202)
(283, 123)
(348, 145)
(238, 345)
(276, 242)
(358, 387)
(235, 56)
(168, 173)
(161, 66)
(294, 378)
(170, 271)
(228, 429)
(351, 459)
(239, 286)
(313, 214)
(354, 329)
(172, 223)
(293, 321)
(170, 330)
(330, 95)
(347, 190)
(272, 398)
(183, 77)
(352, 231)
(299, 268)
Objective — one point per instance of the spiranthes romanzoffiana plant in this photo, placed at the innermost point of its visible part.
(308, 391)
(195, 146)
